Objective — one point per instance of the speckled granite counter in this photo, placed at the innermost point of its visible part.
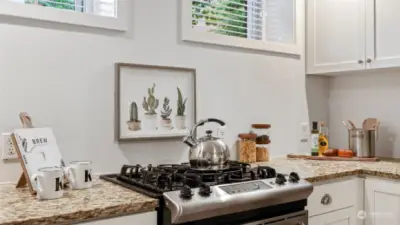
(314, 170)
(19, 207)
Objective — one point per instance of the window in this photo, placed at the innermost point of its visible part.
(97, 7)
(273, 25)
(94, 13)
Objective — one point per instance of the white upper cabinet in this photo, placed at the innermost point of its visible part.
(335, 35)
(345, 35)
(383, 33)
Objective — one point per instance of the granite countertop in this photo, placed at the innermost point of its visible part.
(19, 207)
(316, 170)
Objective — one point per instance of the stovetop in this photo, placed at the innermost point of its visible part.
(153, 181)
(231, 192)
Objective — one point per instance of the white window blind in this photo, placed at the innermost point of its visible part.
(264, 20)
(98, 7)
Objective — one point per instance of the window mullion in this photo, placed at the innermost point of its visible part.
(89, 6)
(250, 19)
(264, 20)
(79, 5)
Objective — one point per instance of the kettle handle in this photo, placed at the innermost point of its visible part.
(201, 123)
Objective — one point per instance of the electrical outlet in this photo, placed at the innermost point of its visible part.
(8, 150)
(221, 131)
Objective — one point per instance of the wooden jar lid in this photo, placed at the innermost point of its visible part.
(261, 126)
(248, 136)
(266, 142)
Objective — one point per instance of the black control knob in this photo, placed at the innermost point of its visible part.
(186, 192)
(253, 175)
(205, 190)
(280, 179)
(294, 177)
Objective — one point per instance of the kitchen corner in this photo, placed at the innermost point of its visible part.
(104, 200)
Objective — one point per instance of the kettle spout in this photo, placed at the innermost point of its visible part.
(189, 141)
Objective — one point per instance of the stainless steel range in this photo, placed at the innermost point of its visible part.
(230, 194)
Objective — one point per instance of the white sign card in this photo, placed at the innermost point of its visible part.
(38, 148)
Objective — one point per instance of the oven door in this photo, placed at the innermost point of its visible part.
(298, 218)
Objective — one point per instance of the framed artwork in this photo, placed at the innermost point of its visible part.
(154, 102)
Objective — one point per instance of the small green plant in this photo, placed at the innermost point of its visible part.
(166, 112)
(133, 113)
(151, 104)
(181, 104)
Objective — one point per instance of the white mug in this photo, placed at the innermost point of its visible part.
(79, 174)
(48, 182)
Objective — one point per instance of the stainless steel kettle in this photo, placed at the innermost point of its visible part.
(208, 150)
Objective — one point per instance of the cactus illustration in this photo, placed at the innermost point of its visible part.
(167, 110)
(181, 104)
(151, 104)
(133, 113)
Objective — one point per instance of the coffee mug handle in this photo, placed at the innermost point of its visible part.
(70, 174)
(37, 178)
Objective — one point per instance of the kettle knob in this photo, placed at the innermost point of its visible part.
(209, 133)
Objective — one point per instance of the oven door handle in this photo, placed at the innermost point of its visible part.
(297, 218)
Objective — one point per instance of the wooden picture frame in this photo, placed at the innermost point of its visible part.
(161, 106)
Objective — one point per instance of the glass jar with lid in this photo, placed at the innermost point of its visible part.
(262, 141)
(247, 148)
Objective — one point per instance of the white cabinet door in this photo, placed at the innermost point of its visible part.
(335, 35)
(382, 202)
(383, 33)
(149, 218)
(339, 217)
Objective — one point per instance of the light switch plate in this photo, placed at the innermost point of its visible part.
(8, 150)
(221, 132)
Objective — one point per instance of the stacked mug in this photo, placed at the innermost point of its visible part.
(49, 180)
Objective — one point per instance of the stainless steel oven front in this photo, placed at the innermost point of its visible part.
(297, 218)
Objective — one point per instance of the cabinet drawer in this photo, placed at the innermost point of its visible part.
(333, 196)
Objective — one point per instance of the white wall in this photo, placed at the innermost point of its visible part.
(356, 96)
(64, 77)
(372, 94)
(317, 89)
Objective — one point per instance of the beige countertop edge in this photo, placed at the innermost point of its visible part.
(376, 174)
(316, 171)
(90, 215)
(332, 176)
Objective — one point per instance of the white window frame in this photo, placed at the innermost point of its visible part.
(28, 11)
(296, 48)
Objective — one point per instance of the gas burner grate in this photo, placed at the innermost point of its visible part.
(171, 177)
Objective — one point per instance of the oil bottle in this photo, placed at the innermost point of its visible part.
(323, 142)
(314, 139)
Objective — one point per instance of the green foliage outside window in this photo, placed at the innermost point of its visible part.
(60, 4)
(222, 17)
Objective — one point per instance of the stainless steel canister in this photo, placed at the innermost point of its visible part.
(362, 142)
